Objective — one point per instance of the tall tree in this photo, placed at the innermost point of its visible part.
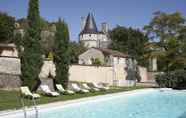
(165, 29)
(129, 41)
(7, 24)
(31, 59)
(61, 53)
(75, 50)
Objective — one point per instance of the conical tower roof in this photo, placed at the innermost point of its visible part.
(90, 25)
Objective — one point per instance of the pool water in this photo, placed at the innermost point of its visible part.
(149, 104)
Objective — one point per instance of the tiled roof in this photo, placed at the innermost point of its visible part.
(113, 53)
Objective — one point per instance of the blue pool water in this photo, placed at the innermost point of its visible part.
(149, 104)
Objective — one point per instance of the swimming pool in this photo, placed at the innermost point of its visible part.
(137, 104)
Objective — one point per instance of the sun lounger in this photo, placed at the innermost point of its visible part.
(25, 91)
(76, 88)
(45, 89)
(88, 88)
(100, 86)
(104, 87)
(62, 90)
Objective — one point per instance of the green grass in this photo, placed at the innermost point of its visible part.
(11, 99)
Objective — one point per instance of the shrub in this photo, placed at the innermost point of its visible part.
(175, 79)
(96, 62)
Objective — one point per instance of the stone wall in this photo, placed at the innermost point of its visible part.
(112, 76)
(10, 70)
(91, 74)
(10, 65)
(143, 74)
(8, 81)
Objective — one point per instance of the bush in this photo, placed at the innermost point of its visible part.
(96, 62)
(175, 79)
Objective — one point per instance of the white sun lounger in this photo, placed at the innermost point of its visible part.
(100, 86)
(104, 87)
(47, 91)
(76, 88)
(88, 88)
(62, 90)
(25, 91)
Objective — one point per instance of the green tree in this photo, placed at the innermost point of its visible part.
(7, 26)
(165, 30)
(31, 58)
(61, 53)
(75, 50)
(131, 41)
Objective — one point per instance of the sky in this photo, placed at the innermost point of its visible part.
(128, 13)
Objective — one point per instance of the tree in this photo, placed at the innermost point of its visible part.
(75, 50)
(165, 30)
(7, 26)
(61, 53)
(31, 59)
(131, 41)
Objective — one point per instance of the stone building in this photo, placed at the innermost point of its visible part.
(91, 36)
(106, 57)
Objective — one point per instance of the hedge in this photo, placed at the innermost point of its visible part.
(175, 79)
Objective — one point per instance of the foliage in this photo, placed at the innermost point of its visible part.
(6, 28)
(166, 30)
(75, 50)
(96, 62)
(23, 23)
(31, 58)
(131, 41)
(47, 33)
(61, 53)
(175, 79)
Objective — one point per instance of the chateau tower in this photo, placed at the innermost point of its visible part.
(91, 36)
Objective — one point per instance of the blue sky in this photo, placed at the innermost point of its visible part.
(134, 13)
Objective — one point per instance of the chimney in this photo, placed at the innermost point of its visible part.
(83, 21)
(104, 27)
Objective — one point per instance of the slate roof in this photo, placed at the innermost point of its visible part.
(90, 25)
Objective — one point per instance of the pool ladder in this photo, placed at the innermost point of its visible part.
(24, 107)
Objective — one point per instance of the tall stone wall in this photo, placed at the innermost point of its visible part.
(9, 81)
(112, 76)
(143, 74)
(91, 74)
(10, 70)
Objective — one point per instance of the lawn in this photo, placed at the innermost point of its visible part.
(11, 99)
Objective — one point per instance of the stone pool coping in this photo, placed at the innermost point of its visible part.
(62, 104)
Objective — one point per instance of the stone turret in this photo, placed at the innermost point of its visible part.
(104, 27)
(90, 35)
